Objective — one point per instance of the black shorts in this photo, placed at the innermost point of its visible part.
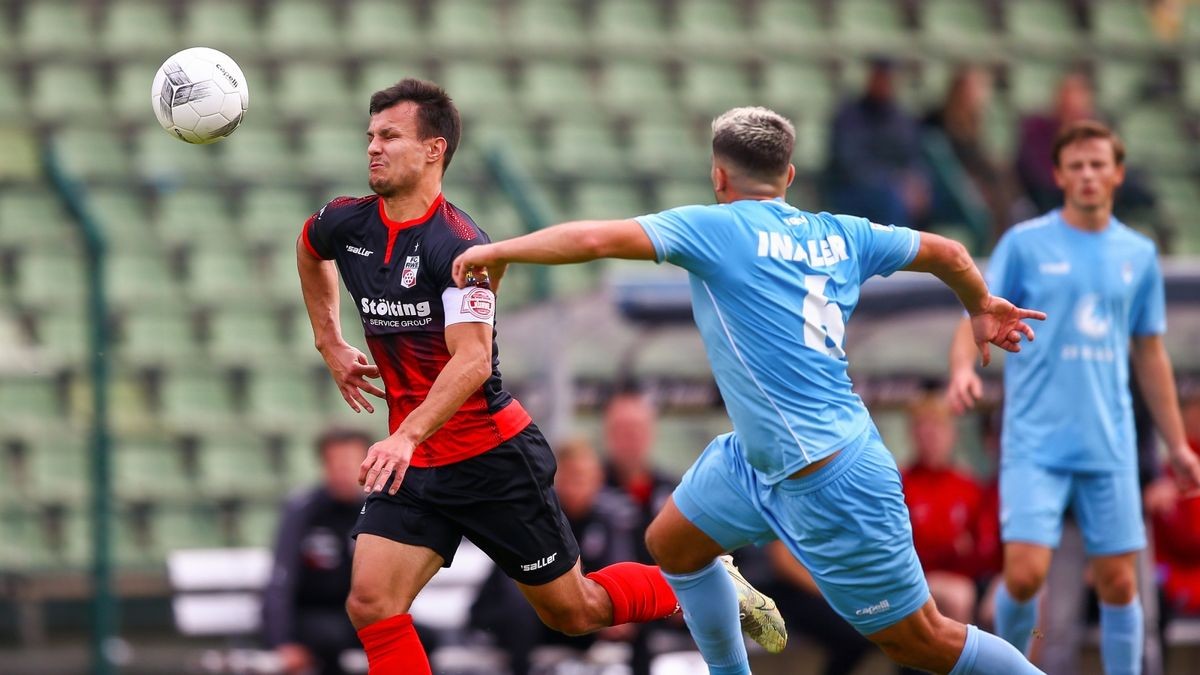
(502, 500)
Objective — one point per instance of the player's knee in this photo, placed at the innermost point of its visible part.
(1023, 581)
(366, 605)
(1117, 587)
(928, 642)
(570, 620)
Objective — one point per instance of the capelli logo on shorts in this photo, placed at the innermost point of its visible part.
(881, 606)
(537, 565)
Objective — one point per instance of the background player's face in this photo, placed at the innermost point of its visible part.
(339, 464)
(398, 157)
(934, 436)
(1088, 174)
(629, 428)
(577, 482)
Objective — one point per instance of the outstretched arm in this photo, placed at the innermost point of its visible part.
(574, 242)
(1152, 367)
(993, 319)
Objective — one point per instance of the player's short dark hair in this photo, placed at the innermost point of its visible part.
(339, 435)
(437, 115)
(1086, 130)
(755, 139)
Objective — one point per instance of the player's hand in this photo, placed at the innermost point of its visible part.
(1160, 496)
(479, 264)
(964, 390)
(390, 456)
(1002, 323)
(1186, 468)
(350, 368)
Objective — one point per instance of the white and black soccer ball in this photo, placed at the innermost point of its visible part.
(199, 95)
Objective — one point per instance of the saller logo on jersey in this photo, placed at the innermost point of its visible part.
(479, 303)
(408, 278)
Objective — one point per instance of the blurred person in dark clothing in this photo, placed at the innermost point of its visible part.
(630, 428)
(875, 167)
(304, 615)
(606, 528)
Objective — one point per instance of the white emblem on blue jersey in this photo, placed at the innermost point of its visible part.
(1089, 319)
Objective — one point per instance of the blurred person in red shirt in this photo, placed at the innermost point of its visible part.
(1176, 518)
(945, 504)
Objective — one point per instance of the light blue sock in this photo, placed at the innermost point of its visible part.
(1121, 637)
(710, 607)
(1015, 620)
(986, 654)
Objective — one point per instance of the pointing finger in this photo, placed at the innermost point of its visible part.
(1032, 314)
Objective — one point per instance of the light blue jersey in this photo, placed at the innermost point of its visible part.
(772, 289)
(1067, 393)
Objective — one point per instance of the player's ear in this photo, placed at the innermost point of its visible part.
(791, 174)
(720, 178)
(436, 149)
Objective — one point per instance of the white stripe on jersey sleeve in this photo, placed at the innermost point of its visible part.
(469, 305)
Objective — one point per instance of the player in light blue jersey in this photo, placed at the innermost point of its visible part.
(772, 289)
(1068, 437)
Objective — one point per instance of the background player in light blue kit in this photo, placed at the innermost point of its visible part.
(1068, 436)
(772, 289)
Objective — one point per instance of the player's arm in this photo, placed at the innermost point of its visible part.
(1152, 368)
(573, 242)
(347, 365)
(470, 365)
(993, 319)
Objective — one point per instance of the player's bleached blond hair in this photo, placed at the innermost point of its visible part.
(756, 139)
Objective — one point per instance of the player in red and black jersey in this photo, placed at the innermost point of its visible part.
(463, 457)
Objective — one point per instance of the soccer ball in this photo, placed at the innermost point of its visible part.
(199, 95)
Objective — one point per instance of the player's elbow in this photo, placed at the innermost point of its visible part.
(955, 258)
(593, 243)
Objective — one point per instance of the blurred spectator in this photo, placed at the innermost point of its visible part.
(776, 572)
(1074, 101)
(1176, 519)
(875, 157)
(605, 526)
(960, 121)
(630, 428)
(304, 615)
(945, 505)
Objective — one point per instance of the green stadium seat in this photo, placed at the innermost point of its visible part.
(64, 335)
(301, 27)
(57, 462)
(257, 525)
(182, 527)
(1121, 83)
(538, 26)
(669, 150)
(598, 201)
(317, 92)
(870, 26)
(682, 193)
(92, 154)
(300, 457)
(336, 152)
(219, 276)
(790, 86)
(285, 398)
(382, 26)
(1049, 27)
(49, 278)
(515, 137)
(123, 215)
(138, 27)
(32, 217)
(464, 26)
(159, 335)
(812, 143)
(791, 26)
(557, 90)
(1032, 84)
(958, 28)
(235, 465)
(18, 527)
(227, 26)
(8, 38)
(584, 149)
(629, 27)
(165, 161)
(382, 73)
(1191, 83)
(1155, 133)
(21, 160)
(246, 336)
(196, 400)
(57, 29)
(636, 88)
(478, 88)
(12, 101)
(150, 469)
(1123, 25)
(136, 278)
(275, 215)
(261, 150)
(1191, 24)
(710, 89)
(195, 217)
(710, 26)
(68, 92)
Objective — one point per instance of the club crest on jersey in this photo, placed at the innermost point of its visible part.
(408, 278)
(479, 303)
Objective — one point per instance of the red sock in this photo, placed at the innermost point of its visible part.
(639, 592)
(393, 647)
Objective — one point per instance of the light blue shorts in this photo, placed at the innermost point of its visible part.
(846, 522)
(1107, 506)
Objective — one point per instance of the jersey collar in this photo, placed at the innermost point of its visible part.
(395, 225)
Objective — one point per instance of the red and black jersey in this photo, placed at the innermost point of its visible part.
(399, 276)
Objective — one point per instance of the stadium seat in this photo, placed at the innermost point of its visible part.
(464, 27)
(870, 26)
(159, 159)
(136, 278)
(709, 89)
(790, 86)
(791, 26)
(669, 150)
(283, 398)
(21, 159)
(31, 404)
(584, 149)
(150, 469)
(233, 465)
(708, 26)
(275, 215)
(1154, 132)
(812, 142)
(195, 217)
(138, 27)
(382, 27)
(12, 101)
(673, 193)
(196, 400)
(317, 92)
(123, 215)
(629, 27)
(478, 88)
(67, 93)
(159, 335)
(302, 28)
(32, 217)
(92, 154)
(57, 29)
(300, 458)
(1048, 27)
(51, 278)
(596, 201)
(382, 73)
(336, 152)
(64, 335)
(958, 28)
(262, 149)
(220, 276)
(557, 89)
(8, 37)
(1122, 83)
(180, 527)
(226, 25)
(1122, 25)
(257, 525)
(638, 89)
(547, 26)
(1032, 84)
(245, 336)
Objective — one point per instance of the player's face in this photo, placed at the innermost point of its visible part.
(1088, 174)
(340, 463)
(396, 153)
(577, 481)
(629, 432)
(934, 437)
